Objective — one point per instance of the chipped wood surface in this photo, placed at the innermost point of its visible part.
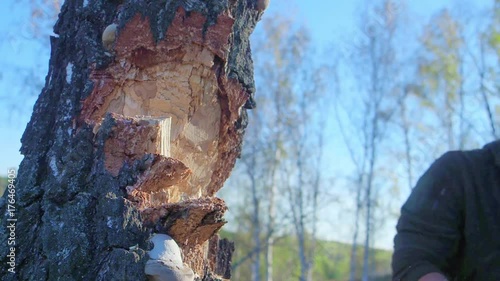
(177, 79)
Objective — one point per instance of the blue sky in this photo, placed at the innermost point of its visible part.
(328, 21)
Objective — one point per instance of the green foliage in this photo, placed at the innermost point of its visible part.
(3, 185)
(331, 261)
(495, 41)
(440, 67)
(494, 36)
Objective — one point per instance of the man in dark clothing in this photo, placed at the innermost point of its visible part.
(449, 227)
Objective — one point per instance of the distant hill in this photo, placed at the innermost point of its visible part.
(331, 263)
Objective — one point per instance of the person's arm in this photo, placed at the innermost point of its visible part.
(429, 229)
(434, 276)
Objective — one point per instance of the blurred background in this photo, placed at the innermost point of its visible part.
(355, 99)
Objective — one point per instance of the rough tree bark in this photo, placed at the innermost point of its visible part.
(133, 138)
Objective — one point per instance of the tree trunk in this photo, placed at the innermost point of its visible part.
(255, 215)
(134, 132)
(271, 216)
(354, 247)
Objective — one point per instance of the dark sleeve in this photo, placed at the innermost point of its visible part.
(429, 229)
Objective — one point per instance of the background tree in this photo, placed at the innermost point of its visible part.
(33, 35)
(441, 69)
(373, 61)
(286, 150)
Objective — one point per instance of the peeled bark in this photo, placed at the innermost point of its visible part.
(133, 134)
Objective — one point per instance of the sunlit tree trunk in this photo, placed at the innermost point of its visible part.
(380, 80)
(405, 125)
(256, 224)
(354, 247)
(272, 208)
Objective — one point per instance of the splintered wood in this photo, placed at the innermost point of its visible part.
(174, 82)
(191, 224)
(182, 78)
(183, 93)
(133, 137)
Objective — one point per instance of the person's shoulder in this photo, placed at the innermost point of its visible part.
(488, 155)
(490, 151)
(454, 158)
(469, 160)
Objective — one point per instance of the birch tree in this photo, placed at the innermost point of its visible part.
(287, 146)
(441, 77)
(374, 66)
